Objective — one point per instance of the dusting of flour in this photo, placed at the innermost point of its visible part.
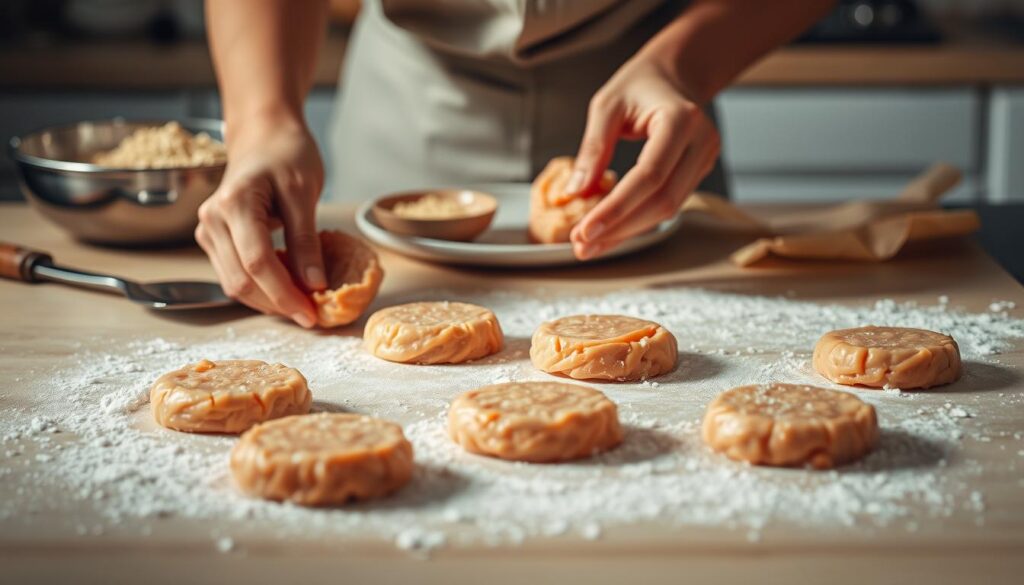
(89, 437)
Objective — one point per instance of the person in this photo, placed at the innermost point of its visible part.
(464, 91)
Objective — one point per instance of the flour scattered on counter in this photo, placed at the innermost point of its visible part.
(1002, 306)
(225, 544)
(591, 531)
(418, 539)
(89, 434)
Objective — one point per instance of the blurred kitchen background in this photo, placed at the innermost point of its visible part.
(874, 94)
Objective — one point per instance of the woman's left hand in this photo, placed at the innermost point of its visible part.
(642, 101)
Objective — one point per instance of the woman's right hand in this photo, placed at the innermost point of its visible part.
(273, 179)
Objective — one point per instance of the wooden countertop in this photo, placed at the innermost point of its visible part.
(42, 324)
(138, 65)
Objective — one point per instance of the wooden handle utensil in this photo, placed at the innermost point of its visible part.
(16, 262)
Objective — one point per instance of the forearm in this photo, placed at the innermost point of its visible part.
(713, 41)
(264, 53)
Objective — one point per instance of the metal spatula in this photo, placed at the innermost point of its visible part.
(18, 263)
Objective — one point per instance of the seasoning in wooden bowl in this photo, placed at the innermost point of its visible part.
(446, 214)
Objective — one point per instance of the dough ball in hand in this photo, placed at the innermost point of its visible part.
(790, 425)
(603, 347)
(353, 274)
(433, 333)
(227, 396)
(553, 211)
(539, 422)
(322, 459)
(888, 357)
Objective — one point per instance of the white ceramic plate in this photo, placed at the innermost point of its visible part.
(504, 243)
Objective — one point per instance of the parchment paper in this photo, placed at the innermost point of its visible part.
(860, 230)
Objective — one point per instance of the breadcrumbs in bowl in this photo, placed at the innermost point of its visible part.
(122, 182)
(162, 147)
(432, 206)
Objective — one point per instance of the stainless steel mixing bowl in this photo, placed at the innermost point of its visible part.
(110, 205)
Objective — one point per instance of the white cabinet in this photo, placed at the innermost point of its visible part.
(836, 144)
(835, 187)
(1006, 146)
(793, 144)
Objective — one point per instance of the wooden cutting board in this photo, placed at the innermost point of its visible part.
(43, 323)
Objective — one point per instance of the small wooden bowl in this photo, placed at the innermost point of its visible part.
(479, 212)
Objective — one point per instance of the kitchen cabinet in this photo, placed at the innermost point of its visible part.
(807, 122)
(1005, 145)
(780, 144)
(840, 143)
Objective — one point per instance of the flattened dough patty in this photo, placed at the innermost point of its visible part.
(790, 424)
(322, 459)
(433, 333)
(353, 274)
(603, 347)
(894, 357)
(534, 421)
(553, 212)
(228, 396)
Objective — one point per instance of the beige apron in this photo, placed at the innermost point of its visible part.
(456, 92)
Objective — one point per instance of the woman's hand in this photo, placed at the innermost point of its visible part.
(274, 177)
(642, 101)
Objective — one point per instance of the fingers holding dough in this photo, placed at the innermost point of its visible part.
(353, 274)
(554, 210)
